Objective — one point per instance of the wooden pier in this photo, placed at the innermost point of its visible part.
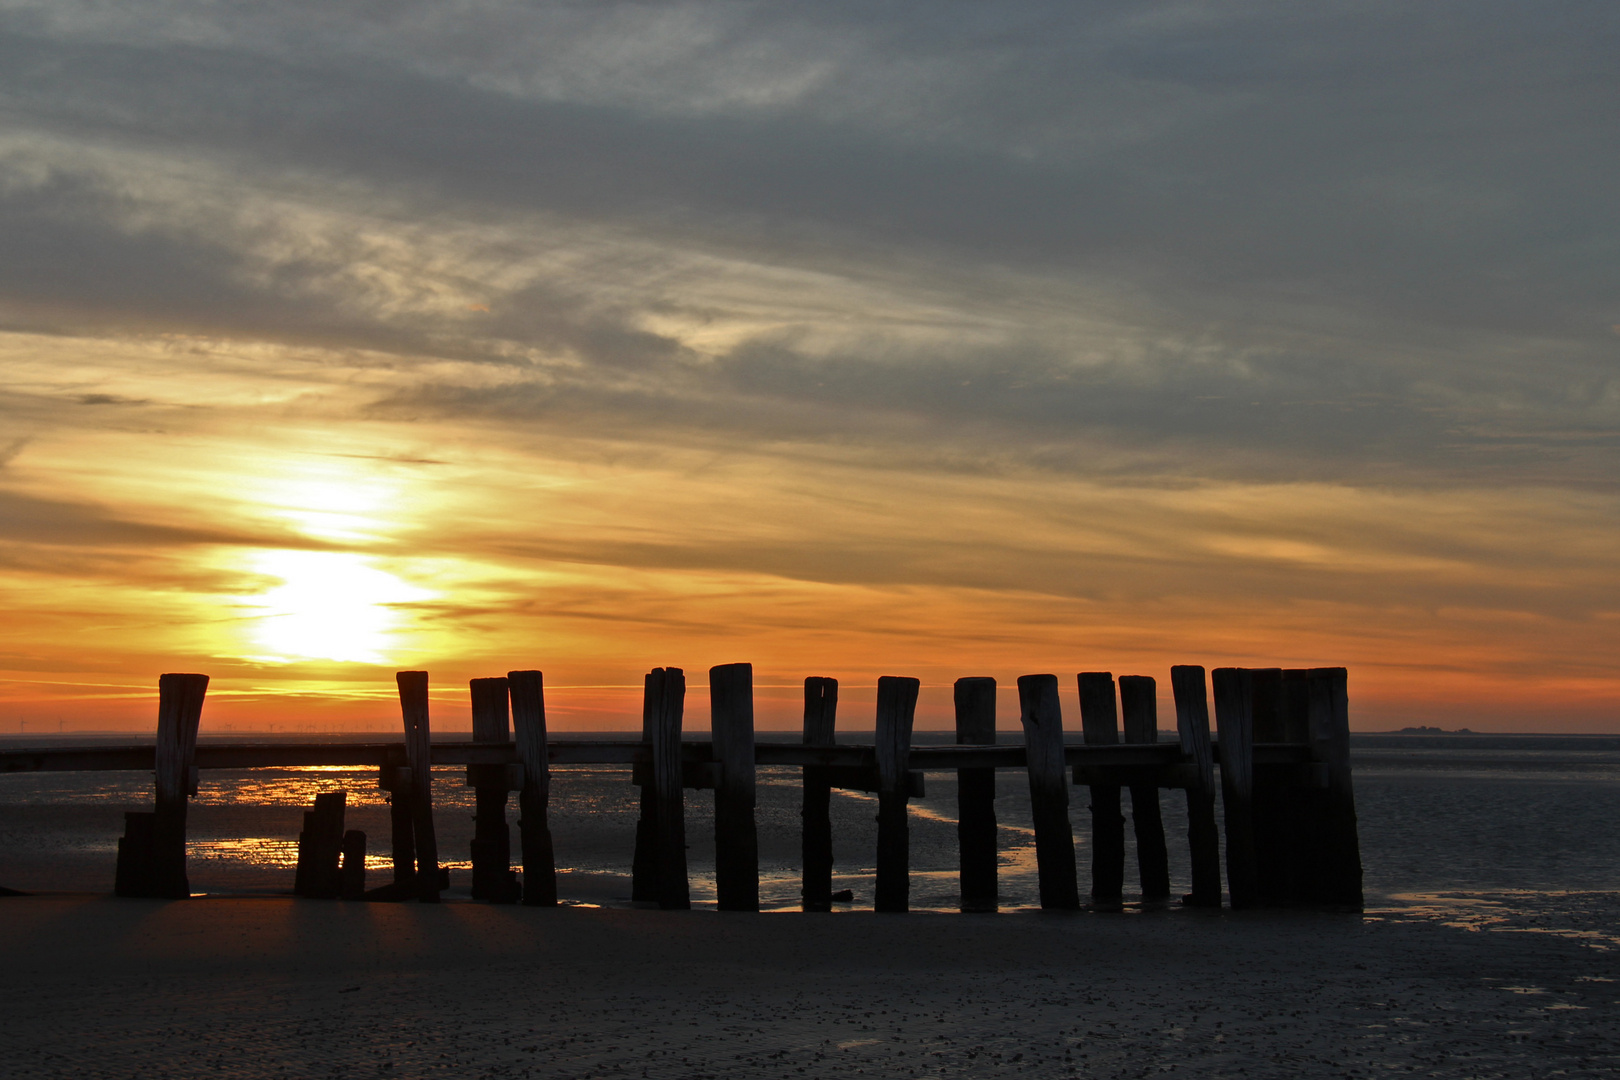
(1282, 757)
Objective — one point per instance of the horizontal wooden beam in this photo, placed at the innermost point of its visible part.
(613, 752)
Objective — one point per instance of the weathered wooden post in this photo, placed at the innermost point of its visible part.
(976, 796)
(1234, 718)
(820, 722)
(320, 846)
(644, 867)
(529, 721)
(413, 707)
(1297, 797)
(396, 780)
(1296, 706)
(736, 841)
(1041, 715)
(152, 855)
(664, 706)
(1138, 698)
(1338, 879)
(492, 877)
(896, 710)
(1203, 836)
(353, 873)
(1274, 817)
(1099, 721)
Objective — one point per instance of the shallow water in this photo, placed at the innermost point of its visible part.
(1514, 833)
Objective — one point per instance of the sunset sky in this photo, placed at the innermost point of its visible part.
(847, 339)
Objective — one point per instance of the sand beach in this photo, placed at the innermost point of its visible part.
(268, 987)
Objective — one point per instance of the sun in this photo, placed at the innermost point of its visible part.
(329, 606)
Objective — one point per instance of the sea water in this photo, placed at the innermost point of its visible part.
(1473, 828)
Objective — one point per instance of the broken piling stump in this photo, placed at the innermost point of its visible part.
(320, 847)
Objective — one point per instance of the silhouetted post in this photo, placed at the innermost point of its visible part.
(402, 823)
(644, 868)
(1296, 706)
(1234, 717)
(1339, 868)
(1296, 797)
(152, 853)
(1138, 698)
(1041, 715)
(1203, 837)
(665, 700)
(353, 873)
(320, 846)
(1099, 722)
(413, 707)
(736, 841)
(976, 796)
(896, 709)
(820, 722)
(529, 722)
(180, 702)
(134, 873)
(1273, 816)
(492, 877)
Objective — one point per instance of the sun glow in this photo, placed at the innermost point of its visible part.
(329, 606)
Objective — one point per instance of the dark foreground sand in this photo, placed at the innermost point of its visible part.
(97, 987)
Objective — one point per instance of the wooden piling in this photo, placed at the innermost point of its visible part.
(134, 874)
(529, 724)
(820, 723)
(1234, 719)
(180, 703)
(736, 839)
(896, 710)
(1138, 698)
(413, 705)
(1203, 836)
(1041, 715)
(644, 865)
(1296, 802)
(1296, 706)
(1099, 721)
(1338, 878)
(353, 872)
(396, 780)
(492, 876)
(664, 703)
(1274, 813)
(975, 700)
(320, 847)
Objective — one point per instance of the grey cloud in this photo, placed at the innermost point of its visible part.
(32, 520)
(1392, 226)
(1411, 175)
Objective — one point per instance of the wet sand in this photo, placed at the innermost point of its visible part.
(96, 987)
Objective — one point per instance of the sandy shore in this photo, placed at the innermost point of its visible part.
(95, 987)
